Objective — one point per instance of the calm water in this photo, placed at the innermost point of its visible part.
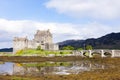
(48, 68)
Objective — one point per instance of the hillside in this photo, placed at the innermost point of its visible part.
(109, 41)
(6, 50)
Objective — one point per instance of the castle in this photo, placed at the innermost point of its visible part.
(41, 38)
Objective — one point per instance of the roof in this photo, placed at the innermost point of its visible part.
(43, 32)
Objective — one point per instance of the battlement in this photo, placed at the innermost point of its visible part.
(20, 39)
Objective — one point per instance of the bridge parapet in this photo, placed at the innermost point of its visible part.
(113, 53)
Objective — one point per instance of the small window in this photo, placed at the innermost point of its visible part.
(42, 41)
(37, 41)
(42, 44)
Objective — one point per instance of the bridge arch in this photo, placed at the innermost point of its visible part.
(102, 53)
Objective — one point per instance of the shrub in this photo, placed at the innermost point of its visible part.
(68, 48)
(38, 48)
(80, 49)
(89, 47)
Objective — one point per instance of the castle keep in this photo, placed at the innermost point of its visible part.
(41, 38)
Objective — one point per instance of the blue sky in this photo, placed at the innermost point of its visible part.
(66, 19)
(30, 10)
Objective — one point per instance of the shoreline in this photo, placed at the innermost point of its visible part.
(40, 59)
(106, 74)
(55, 59)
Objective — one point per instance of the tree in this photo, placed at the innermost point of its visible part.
(89, 47)
(68, 48)
(79, 49)
(38, 48)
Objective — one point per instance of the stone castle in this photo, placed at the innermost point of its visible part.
(41, 38)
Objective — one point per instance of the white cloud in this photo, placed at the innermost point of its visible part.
(5, 44)
(23, 28)
(105, 9)
(61, 31)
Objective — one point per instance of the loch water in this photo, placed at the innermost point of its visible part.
(48, 68)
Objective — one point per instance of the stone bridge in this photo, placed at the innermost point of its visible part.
(112, 53)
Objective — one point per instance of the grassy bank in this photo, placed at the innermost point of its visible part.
(43, 53)
(112, 73)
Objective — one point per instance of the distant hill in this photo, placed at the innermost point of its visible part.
(6, 50)
(109, 41)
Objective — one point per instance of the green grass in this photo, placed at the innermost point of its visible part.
(18, 78)
(43, 53)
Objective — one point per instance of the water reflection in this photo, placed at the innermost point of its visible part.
(48, 68)
(6, 68)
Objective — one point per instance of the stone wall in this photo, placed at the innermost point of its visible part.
(20, 43)
(41, 38)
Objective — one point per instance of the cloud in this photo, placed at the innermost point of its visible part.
(22, 28)
(5, 45)
(61, 31)
(102, 9)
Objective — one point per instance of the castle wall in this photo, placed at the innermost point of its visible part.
(51, 46)
(31, 44)
(41, 38)
(56, 47)
(39, 44)
(19, 44)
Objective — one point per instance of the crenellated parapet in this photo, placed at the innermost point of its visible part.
(20, 39)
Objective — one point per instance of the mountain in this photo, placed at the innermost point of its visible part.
(6, 50)
(109, 41)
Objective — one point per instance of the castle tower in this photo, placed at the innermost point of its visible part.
(20, 43)
(43, 37)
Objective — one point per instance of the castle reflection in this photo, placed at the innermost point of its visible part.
(48, 68)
